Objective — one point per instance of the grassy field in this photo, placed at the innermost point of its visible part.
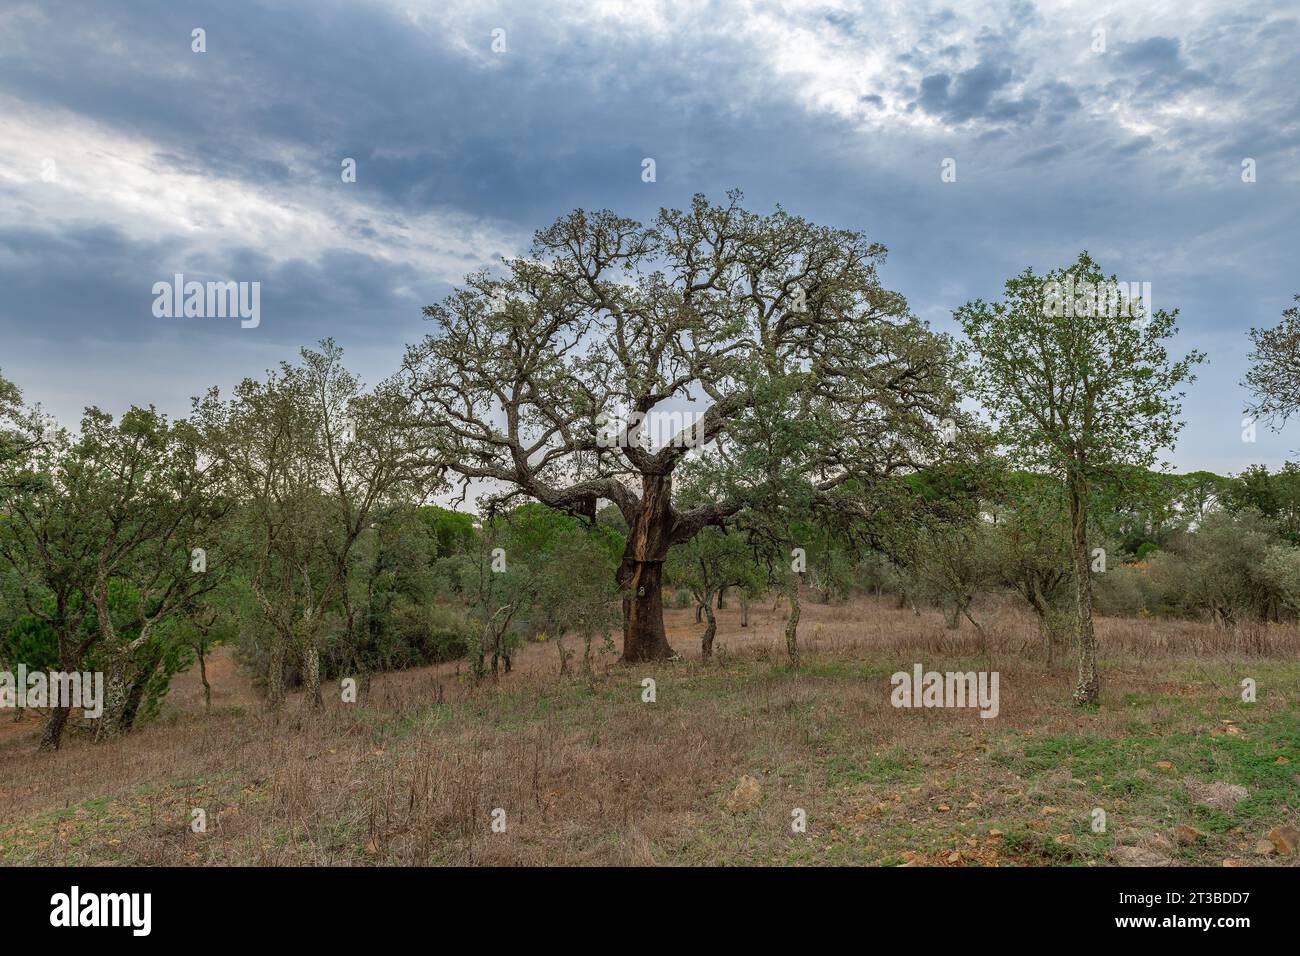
(588, 773)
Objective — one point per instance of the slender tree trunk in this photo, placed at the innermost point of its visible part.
(706, 642)
(792, 622)
(275, 675)
(1087, 687)
(744, 609)
(203, 676)
(640, 574)
(310, 658)
(722, 598)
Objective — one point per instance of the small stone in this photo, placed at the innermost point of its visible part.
(996, 834)
(1285, 839)
(1064, 838)
(1187, 835)
(944, 808)
(1163, 765)
(1265, 847)
(1221, 795)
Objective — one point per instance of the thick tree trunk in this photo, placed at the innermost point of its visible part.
(136, 692)
(1087, 687)
(115, 693)
(1045, 633)
(952, 616)
(52, 734)
(640, 573)
(706, 642)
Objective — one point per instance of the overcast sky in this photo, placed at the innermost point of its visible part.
(126, 157)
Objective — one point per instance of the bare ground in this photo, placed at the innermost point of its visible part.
(588, 773)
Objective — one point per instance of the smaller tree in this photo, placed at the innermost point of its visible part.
(1222, 569)
(1078, 381)
(1274, 376)
(712, 561)
(951, 564)
(311, 456)
(576, 586)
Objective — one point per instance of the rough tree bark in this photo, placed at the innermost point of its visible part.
(641, 571)
(706, 642)
(275, 676)
(310, 658)
(203, 676)
(52, 733)
(792, 622)
(1087, 687)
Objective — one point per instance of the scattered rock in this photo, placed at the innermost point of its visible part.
(1158, 841)
(1050, 810)
(1282, 760)
(1220, 795)
(1187, 835)
(996, 834)
(747, 795)
(954, 856)
(944, 808)
(1128, 837)
(1285, 839)
(1138, 856)
(1264, 847)
(1163, 765)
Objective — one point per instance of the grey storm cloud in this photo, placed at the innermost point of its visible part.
(971, 94)
(1134, 155)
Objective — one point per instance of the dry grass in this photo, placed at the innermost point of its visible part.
(589, 774)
